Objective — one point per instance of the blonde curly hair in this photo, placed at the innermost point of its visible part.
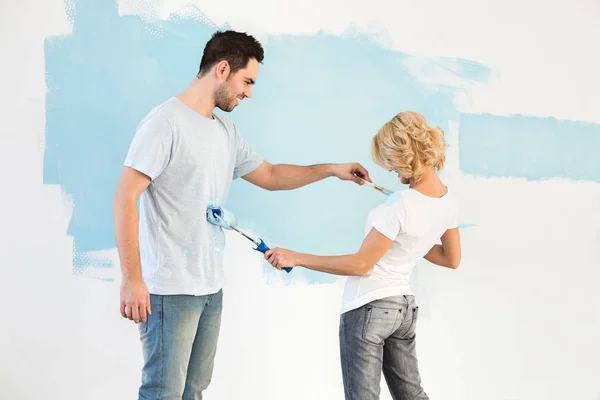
(407, 145)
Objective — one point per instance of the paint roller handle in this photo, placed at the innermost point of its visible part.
(262, 247)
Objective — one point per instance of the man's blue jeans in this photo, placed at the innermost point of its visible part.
(380, 336)
(179, 342)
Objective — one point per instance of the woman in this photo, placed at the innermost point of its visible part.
(379, 311)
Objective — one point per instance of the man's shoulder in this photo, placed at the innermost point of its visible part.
(169, 108)
(161, 111)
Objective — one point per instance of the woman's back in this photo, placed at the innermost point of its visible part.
(414, 222)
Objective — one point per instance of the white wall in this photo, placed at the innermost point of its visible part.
(519, 320)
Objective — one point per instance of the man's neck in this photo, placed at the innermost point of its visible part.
(199, 97)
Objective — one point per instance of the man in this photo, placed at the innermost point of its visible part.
(182, 158)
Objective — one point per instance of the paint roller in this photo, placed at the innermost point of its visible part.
(217, 216)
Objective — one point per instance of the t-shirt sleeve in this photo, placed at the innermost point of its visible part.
(246, 159)
(150, 149)
(390, 220)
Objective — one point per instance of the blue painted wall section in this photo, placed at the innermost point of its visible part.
(318, 99)
(321, 99)
(102, 79)
(529, 147)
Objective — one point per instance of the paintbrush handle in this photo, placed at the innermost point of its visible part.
(378, 187)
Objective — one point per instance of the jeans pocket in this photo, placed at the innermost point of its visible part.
(380, 323)
(410, 331)
(142, 327)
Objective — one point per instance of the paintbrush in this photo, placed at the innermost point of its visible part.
(378, 187)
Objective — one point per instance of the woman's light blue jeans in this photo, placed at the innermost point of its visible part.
(380, 336)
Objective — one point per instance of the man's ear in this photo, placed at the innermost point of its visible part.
(222, 70)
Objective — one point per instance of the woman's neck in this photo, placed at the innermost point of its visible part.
(430, 184)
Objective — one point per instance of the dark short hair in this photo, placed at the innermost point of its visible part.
(237, 48)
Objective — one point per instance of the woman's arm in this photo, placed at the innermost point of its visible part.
(448, 254)
(360, 263)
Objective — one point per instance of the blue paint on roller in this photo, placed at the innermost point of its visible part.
(220, 217)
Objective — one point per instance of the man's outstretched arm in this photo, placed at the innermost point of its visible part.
(288, 177)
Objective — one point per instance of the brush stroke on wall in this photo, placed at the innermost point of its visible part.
(318, 99)
(529, 147)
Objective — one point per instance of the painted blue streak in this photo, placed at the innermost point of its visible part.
(318, 99)
(102, 80)
(529, 147)
(321, 99)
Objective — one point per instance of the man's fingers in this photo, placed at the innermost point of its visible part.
(135, 312)
(362, 172)
(356, 177)
(148, 305)
(360, 179)
(367, 177)
(143, 314)
(128, 311)
(122, 309)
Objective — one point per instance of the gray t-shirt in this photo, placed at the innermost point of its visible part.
(191, 161)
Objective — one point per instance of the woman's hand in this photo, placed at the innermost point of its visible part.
(282, 258)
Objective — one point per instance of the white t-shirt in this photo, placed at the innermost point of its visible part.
(415, 222)
(192, 161)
